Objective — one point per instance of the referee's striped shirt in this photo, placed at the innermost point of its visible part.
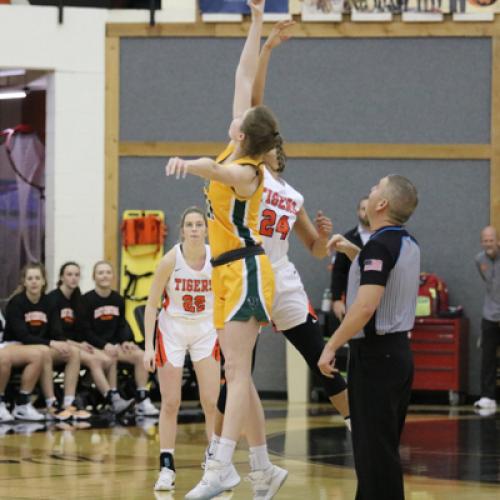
(390, 258)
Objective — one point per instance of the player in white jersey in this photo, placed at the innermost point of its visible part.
(292, 311)
(282, 210)
(185, 324)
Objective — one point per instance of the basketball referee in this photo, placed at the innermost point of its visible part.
(381, 299)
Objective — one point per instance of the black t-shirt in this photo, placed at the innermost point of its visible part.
(68, 311)
(104, 319)
(31, 323)
(340, 270)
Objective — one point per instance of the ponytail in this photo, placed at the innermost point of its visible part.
(280, 152)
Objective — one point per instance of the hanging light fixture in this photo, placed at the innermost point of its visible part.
(12, 94)
(10, 72)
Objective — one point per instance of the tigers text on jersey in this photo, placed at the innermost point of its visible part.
(233, 220)
(278, 212)
(188, 293)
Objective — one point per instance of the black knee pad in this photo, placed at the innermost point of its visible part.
(307, 338)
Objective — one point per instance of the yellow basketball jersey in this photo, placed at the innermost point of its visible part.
(233, 220)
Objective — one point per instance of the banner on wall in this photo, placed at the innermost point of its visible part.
(319, 8)
(240, 6)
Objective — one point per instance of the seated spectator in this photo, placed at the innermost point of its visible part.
(66, 299)
(30, 321)
(13, 354)
(105, 328)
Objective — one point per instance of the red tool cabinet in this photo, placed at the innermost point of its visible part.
(440, 347)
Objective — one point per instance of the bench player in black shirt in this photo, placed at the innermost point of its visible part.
(106, 328)
(30, 321)
(66, 300)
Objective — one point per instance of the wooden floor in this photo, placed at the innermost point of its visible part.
(447, 454)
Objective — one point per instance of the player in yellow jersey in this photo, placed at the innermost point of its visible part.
(242, 279)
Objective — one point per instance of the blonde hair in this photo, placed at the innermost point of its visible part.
(100, 263)
(22, 277)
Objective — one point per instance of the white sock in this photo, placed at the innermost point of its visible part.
(212, 446)
(347, 422)
(68, 400)
(224, 451)
(259, 458)
(167, 450)
(50, 401)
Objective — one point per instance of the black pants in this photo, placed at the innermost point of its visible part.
(490, 339)
(380, 374)
(308, 340)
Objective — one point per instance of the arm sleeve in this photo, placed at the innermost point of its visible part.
(14, 317)
(55, 326)
(477, 260)
(124, 331)
(340, 274)
(375, 263)
(87, 333)
(78, 330)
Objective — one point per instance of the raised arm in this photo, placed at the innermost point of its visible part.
(339, 243)
(247, 66)
(161, 276)
(275, 38)
(243, 178)
(314, 237)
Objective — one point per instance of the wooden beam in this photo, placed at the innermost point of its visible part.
(148, 149)
(111, 180)
(319, 150)
(346, 29)
(495, 135)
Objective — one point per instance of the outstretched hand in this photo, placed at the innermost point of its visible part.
(323, 225)
(278, 34)
(339, 243)
(176, 166)
(257, 8)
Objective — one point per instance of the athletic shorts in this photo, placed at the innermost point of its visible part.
(243, 289)
(291, 305)
(176, 336)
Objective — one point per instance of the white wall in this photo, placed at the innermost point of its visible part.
(74, 52)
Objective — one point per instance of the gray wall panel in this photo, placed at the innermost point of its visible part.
(421, 90)
(454, 206)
